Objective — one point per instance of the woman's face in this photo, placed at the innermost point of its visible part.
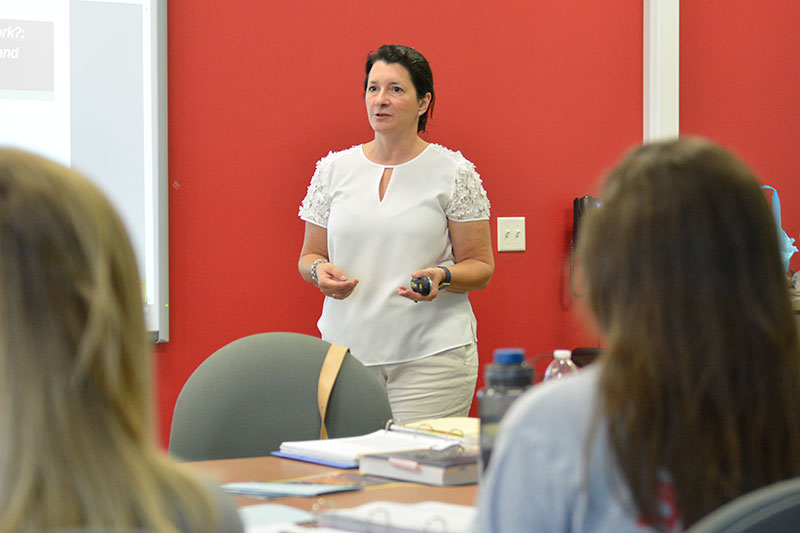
(391, 99)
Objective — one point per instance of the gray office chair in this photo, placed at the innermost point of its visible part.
(258, 391)
(771, 509)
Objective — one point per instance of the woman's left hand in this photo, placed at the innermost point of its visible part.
(436, 275)
(474, 261)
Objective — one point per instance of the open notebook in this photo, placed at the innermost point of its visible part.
(344, 452)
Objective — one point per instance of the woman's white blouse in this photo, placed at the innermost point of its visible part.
(381, 242)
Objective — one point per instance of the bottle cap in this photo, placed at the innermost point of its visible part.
(509, 369)
(562, 355)
(509, 356)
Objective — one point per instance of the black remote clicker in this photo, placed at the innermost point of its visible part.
(421, 285)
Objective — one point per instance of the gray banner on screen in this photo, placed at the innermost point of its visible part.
(26, 55)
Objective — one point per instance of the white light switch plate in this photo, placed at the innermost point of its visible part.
(510, 234)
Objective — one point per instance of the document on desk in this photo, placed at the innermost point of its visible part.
(272, 517)
(391, 517)
(270, 490)
(344, 452)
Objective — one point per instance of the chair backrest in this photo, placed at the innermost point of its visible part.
(771, 509)
(258, 391)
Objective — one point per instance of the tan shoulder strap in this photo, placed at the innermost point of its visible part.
(327, 377)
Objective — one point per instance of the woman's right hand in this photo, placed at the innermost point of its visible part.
(314, 256)
(333, 283)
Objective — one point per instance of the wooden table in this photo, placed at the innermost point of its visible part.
(279, 469)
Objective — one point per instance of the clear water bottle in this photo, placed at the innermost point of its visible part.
(506, 379)
(562, 365)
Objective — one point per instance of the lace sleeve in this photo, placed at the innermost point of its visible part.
(316, 205)
(469, 201)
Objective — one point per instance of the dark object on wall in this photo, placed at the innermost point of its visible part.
(585, 356)
(580, 206)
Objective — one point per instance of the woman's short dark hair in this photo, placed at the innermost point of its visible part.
(417, 67)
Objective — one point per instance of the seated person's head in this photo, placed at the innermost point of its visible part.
(71, 322)
(76, 442)
(683, 223)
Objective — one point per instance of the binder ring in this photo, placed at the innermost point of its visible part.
(320, 506)
(427, 526)
(383, 525)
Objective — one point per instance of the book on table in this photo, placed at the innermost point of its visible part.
(344, 452)
(450, 466)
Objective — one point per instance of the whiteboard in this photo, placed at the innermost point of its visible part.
(84, 82)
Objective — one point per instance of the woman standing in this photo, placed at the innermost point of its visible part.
(394, 208)
(694, 400)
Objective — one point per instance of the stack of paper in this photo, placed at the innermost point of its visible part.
(344, 452)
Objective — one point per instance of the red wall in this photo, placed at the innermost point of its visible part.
(740, 85)
(541, 96)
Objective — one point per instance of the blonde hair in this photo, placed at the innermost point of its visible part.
(701, 373)
(76, 428)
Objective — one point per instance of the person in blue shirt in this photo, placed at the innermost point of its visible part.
(694, 399)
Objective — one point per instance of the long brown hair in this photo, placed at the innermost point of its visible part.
(701, 375)
(76, 432)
